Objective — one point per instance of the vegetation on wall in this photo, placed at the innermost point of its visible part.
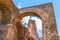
(5, 15)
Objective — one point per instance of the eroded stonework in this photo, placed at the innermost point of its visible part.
(11, 27)
(47, 15)
(32, 29)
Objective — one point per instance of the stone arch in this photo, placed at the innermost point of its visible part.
(45, 20)
(37, 11)
(31, 11)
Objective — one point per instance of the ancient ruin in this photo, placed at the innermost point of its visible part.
(11, 27)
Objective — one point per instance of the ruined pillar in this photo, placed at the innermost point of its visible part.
(32, 29)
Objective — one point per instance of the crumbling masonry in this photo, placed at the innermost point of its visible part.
(11, 27)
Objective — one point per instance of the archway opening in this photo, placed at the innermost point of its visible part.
(38, 23)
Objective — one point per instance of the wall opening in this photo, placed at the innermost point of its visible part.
(38, 23)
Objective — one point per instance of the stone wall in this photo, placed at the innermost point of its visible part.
(7, 9)
(46, 13)
(12, 29)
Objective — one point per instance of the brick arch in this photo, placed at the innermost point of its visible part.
(37, 11)
(29, 14)
(31, 11)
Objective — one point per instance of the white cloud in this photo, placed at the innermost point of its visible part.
(19, 5)
(26, 19)
(38, 21)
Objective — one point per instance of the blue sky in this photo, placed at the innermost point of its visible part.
(56, 5)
